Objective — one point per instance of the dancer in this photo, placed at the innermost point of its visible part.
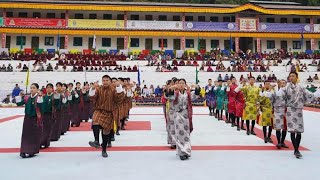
(240, 104)
(105, 98)
(181, 113)
(32, 123)
(265, 119)
(296, 96)
(279, 107)
(232, 99)
(169, 94)
(77, 104)
(225, 101)
(57, 125)
(220, 93)
(251, 94)
(210, 97)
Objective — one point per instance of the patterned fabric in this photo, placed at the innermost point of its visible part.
(240, 103)
(232, 99)
(220, 93)
(251, 94)
(105, 102)
(296, 96)
(279, 106)
(266, 111)
(210, 96)
(179, 120)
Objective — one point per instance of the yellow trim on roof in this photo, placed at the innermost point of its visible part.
(157, 33)
(88, 7)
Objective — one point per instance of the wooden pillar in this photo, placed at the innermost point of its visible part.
(183, 43)
(3, 44)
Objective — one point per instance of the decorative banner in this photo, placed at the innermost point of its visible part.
(66, 41)
(247, 24)
(316, 27)
(210, 26)
(313, 44)
(284, 27)
(258, 45)
(183, 42)
(35, 22)
(125, 42)
(95, 24)
(1, 21)
(176, 25)
(3, 45)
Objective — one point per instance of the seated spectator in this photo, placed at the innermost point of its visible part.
(158, 91)
(49, 67)
(135, 68)
(6, 100)
(188, 63)
(310, 80)
(9, 68)
(304, 67)
(274, 78)
(175, 68)
(195, 63)
(25, 68)
(201, 68)
(174, 62)
(219, 77)
(182, 63)
(158, 69)
(169, 67)
(226, 77)
(259, 79)
(315, 77)
(19, 67)
(3, 68)
(209, 69)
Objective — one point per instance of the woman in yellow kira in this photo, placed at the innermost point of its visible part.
(252, 94)
(266, 116)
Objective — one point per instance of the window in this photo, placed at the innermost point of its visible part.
(318, 21)
(271, 44)
(283, 20)
(226, 19)
(296, 20)
(308, 45)
(201, 18)
(149, 17)
(318, 44)
(77, 41)
(214, 19)
(307, 20)
(176, 18)
(92, 16)
(214, 43)
(162, 17)
(78, 16)
(189, 43)
(227, 44)
(189, 18)
(165, 43)
(270, 20)
(296, 44)
(19, 39)
(23, 14)
(233, 19)
(48, 41)
(120, 17)
(106, 42)
(134, 17)
(51, 15)
(134, 42)
(63, 15)
(9, 14)
(107, 16)
(36, 15)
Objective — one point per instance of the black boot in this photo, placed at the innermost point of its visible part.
(173, 147)
(118, 133)
(112, 135)
(23, 155)
(104, 145)
(184, 157)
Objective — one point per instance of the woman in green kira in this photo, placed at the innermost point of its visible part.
(32, 124)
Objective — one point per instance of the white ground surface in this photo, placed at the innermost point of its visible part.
(160, 165)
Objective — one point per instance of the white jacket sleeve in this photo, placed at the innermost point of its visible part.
(18, 99)
(237, 89)
(228, 89)
(129, 93)
(215, 88)
(70, 98)
(76, 95)
(268, 94)
(279, 92)
(40, 99)
(92, 92)
(64, 100)
(119, 89)
(56, 96)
